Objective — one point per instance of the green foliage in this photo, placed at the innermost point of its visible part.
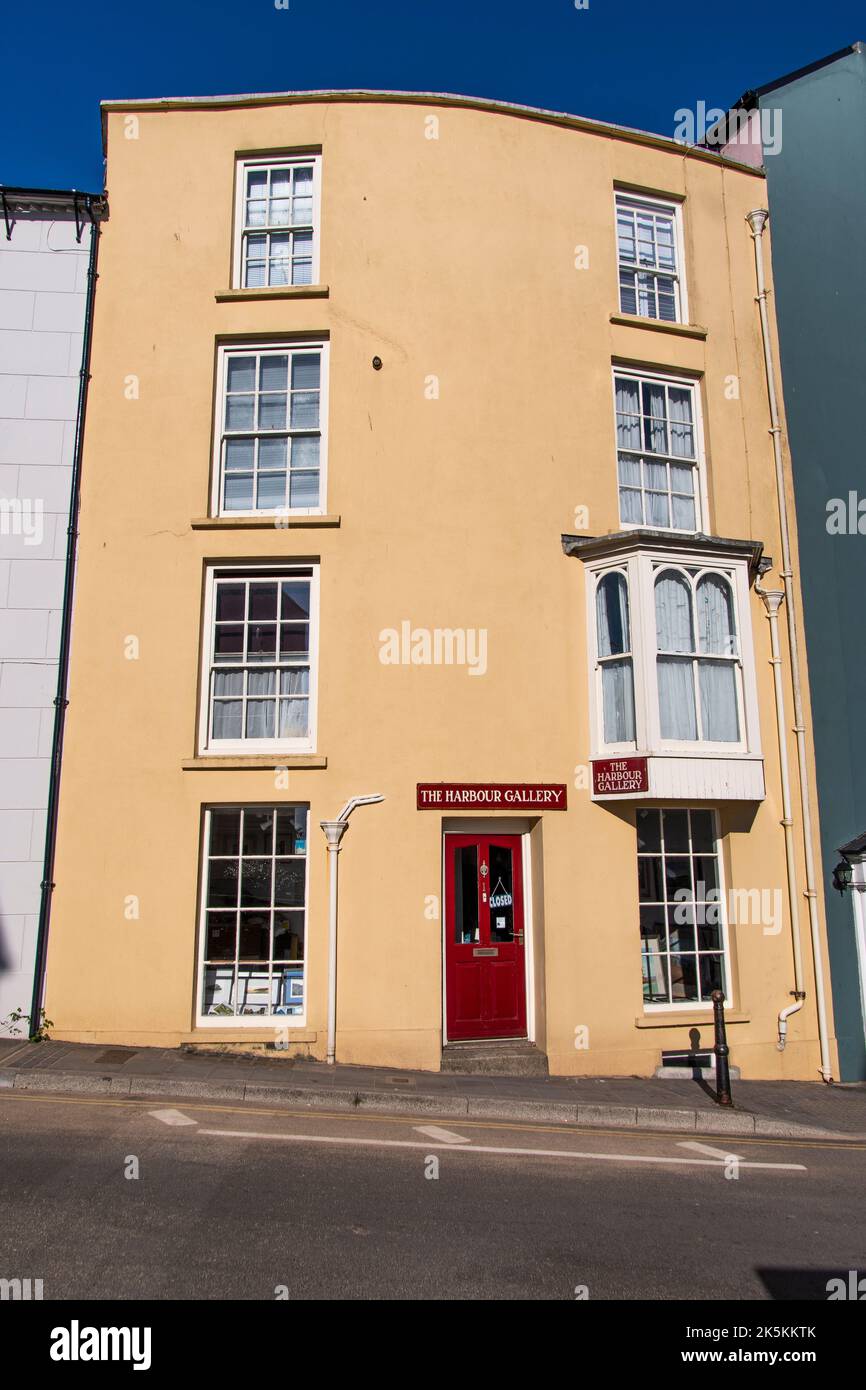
(38, 1034)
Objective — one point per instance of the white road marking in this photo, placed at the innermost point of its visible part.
(486, 1149)
(445, 1136)
(172, 1117)
(724, 1154)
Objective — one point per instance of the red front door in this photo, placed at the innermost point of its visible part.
(485, 970)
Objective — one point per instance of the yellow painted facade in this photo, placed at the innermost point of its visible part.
(472, 249)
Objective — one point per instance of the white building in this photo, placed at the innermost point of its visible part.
(45, 258)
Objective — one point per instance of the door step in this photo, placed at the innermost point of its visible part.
(499, 1057)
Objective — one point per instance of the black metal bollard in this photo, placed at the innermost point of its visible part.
(721, 1049)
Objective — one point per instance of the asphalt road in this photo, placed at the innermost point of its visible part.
(232, 1202)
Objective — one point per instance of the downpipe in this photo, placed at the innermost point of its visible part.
(334, 831)
(773, 600)
(757, 220)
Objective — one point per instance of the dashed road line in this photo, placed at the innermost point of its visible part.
(444, 1136)
(350, 1141)
(725, 1154)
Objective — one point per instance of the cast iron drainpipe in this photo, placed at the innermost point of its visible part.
(60, 701)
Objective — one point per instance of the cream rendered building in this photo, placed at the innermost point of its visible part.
(428, 456)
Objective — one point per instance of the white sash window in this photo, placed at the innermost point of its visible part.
(649, 249)
(658, 452)
(277, 230)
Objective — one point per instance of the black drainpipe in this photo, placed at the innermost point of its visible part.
(60, 701)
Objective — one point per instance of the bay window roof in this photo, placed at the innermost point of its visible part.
(647, 539)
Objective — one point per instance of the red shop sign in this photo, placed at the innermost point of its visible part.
(619, 776)
(491, 796)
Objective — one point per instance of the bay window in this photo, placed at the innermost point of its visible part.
(697, 664)
(673, 669)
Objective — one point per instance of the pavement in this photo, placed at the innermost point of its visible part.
(781, 1109)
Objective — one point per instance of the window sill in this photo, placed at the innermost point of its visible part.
(681, 330)
(678, 1018)
(283, 292)
(218, 762)
(282, 521)
(219, 1031)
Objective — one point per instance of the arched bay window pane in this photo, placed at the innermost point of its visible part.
(614, 641)
(718, 679)
(675, 634)
(716, 633)
(611, 606)
(674, 628)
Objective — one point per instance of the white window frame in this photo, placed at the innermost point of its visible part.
(640, 567)
(284, 346)
(253, 747)
(599, 662)
(674, 209)
(230, 1021)
(702, 501)
(697, 1005)
(270, 163)
(661, 565)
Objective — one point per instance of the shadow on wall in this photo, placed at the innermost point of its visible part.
(7, 1028)
(5, 955)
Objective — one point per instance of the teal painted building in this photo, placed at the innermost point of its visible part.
(812, 144)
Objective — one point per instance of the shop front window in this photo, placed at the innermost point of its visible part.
(682, 917)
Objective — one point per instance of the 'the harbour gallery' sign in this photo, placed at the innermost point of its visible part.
(619, 776)
(491, 796)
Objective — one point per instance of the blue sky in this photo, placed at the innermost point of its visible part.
(620, 60)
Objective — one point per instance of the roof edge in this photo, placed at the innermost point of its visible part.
(71, 200)
(490, 104)
(749, 99)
